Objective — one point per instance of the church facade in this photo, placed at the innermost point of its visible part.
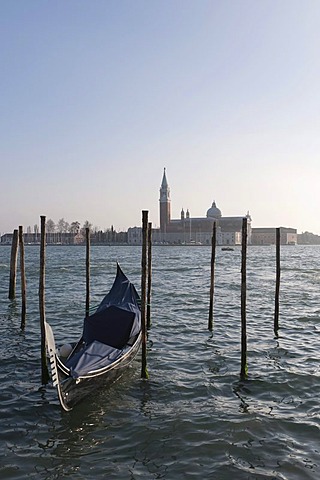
(196, 230)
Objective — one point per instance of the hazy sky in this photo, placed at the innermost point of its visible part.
(98, 96)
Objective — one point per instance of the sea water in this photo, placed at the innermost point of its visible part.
(194, 417)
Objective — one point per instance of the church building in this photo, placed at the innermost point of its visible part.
(196, 230)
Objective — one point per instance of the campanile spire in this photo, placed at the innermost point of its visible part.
(165, 203)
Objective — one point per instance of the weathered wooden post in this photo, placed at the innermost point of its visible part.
(13, 265)
(87, 271)
(44, 368)
(213, 258)
(144, 371)
(276, 305)
(23, 279)
(149, 239)
(244, 365)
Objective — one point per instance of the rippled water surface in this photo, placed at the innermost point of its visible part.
(194, 417)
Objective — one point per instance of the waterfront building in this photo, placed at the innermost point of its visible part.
(197, 230)
(108, 237)
(192, 230)
(308, 238)
(267, 236)
(135, 236)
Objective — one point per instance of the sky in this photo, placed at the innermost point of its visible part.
(98, 96)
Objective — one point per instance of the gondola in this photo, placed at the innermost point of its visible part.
(110, 341)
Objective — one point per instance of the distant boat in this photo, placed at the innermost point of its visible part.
(229, 249)
(111, 339)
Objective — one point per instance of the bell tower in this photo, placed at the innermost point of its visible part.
(165, 204)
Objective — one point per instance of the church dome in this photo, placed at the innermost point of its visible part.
(214, 211)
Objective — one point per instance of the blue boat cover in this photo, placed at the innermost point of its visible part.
(94, 356)
(109, 329)
(118, 316)
(112, 326)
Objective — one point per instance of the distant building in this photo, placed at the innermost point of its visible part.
(6, 238)
(135, 236)
(307, 238)
(108, 237)
(267, 236)
(54, 238)
(192, 230)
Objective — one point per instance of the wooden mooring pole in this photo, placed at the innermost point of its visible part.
(149, 250)
(244, 365)
(213, 259)
(276, 304)
(44, 367)
(144, 371)
(13, 265)
(87, 271)
(23, 279)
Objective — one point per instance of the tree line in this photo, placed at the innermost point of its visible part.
(62, 226)
(63, 231)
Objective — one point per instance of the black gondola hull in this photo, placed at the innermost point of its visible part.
(110, 341)
(72, 390)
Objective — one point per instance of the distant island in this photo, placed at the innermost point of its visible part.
(186, 230)
(74, 234)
